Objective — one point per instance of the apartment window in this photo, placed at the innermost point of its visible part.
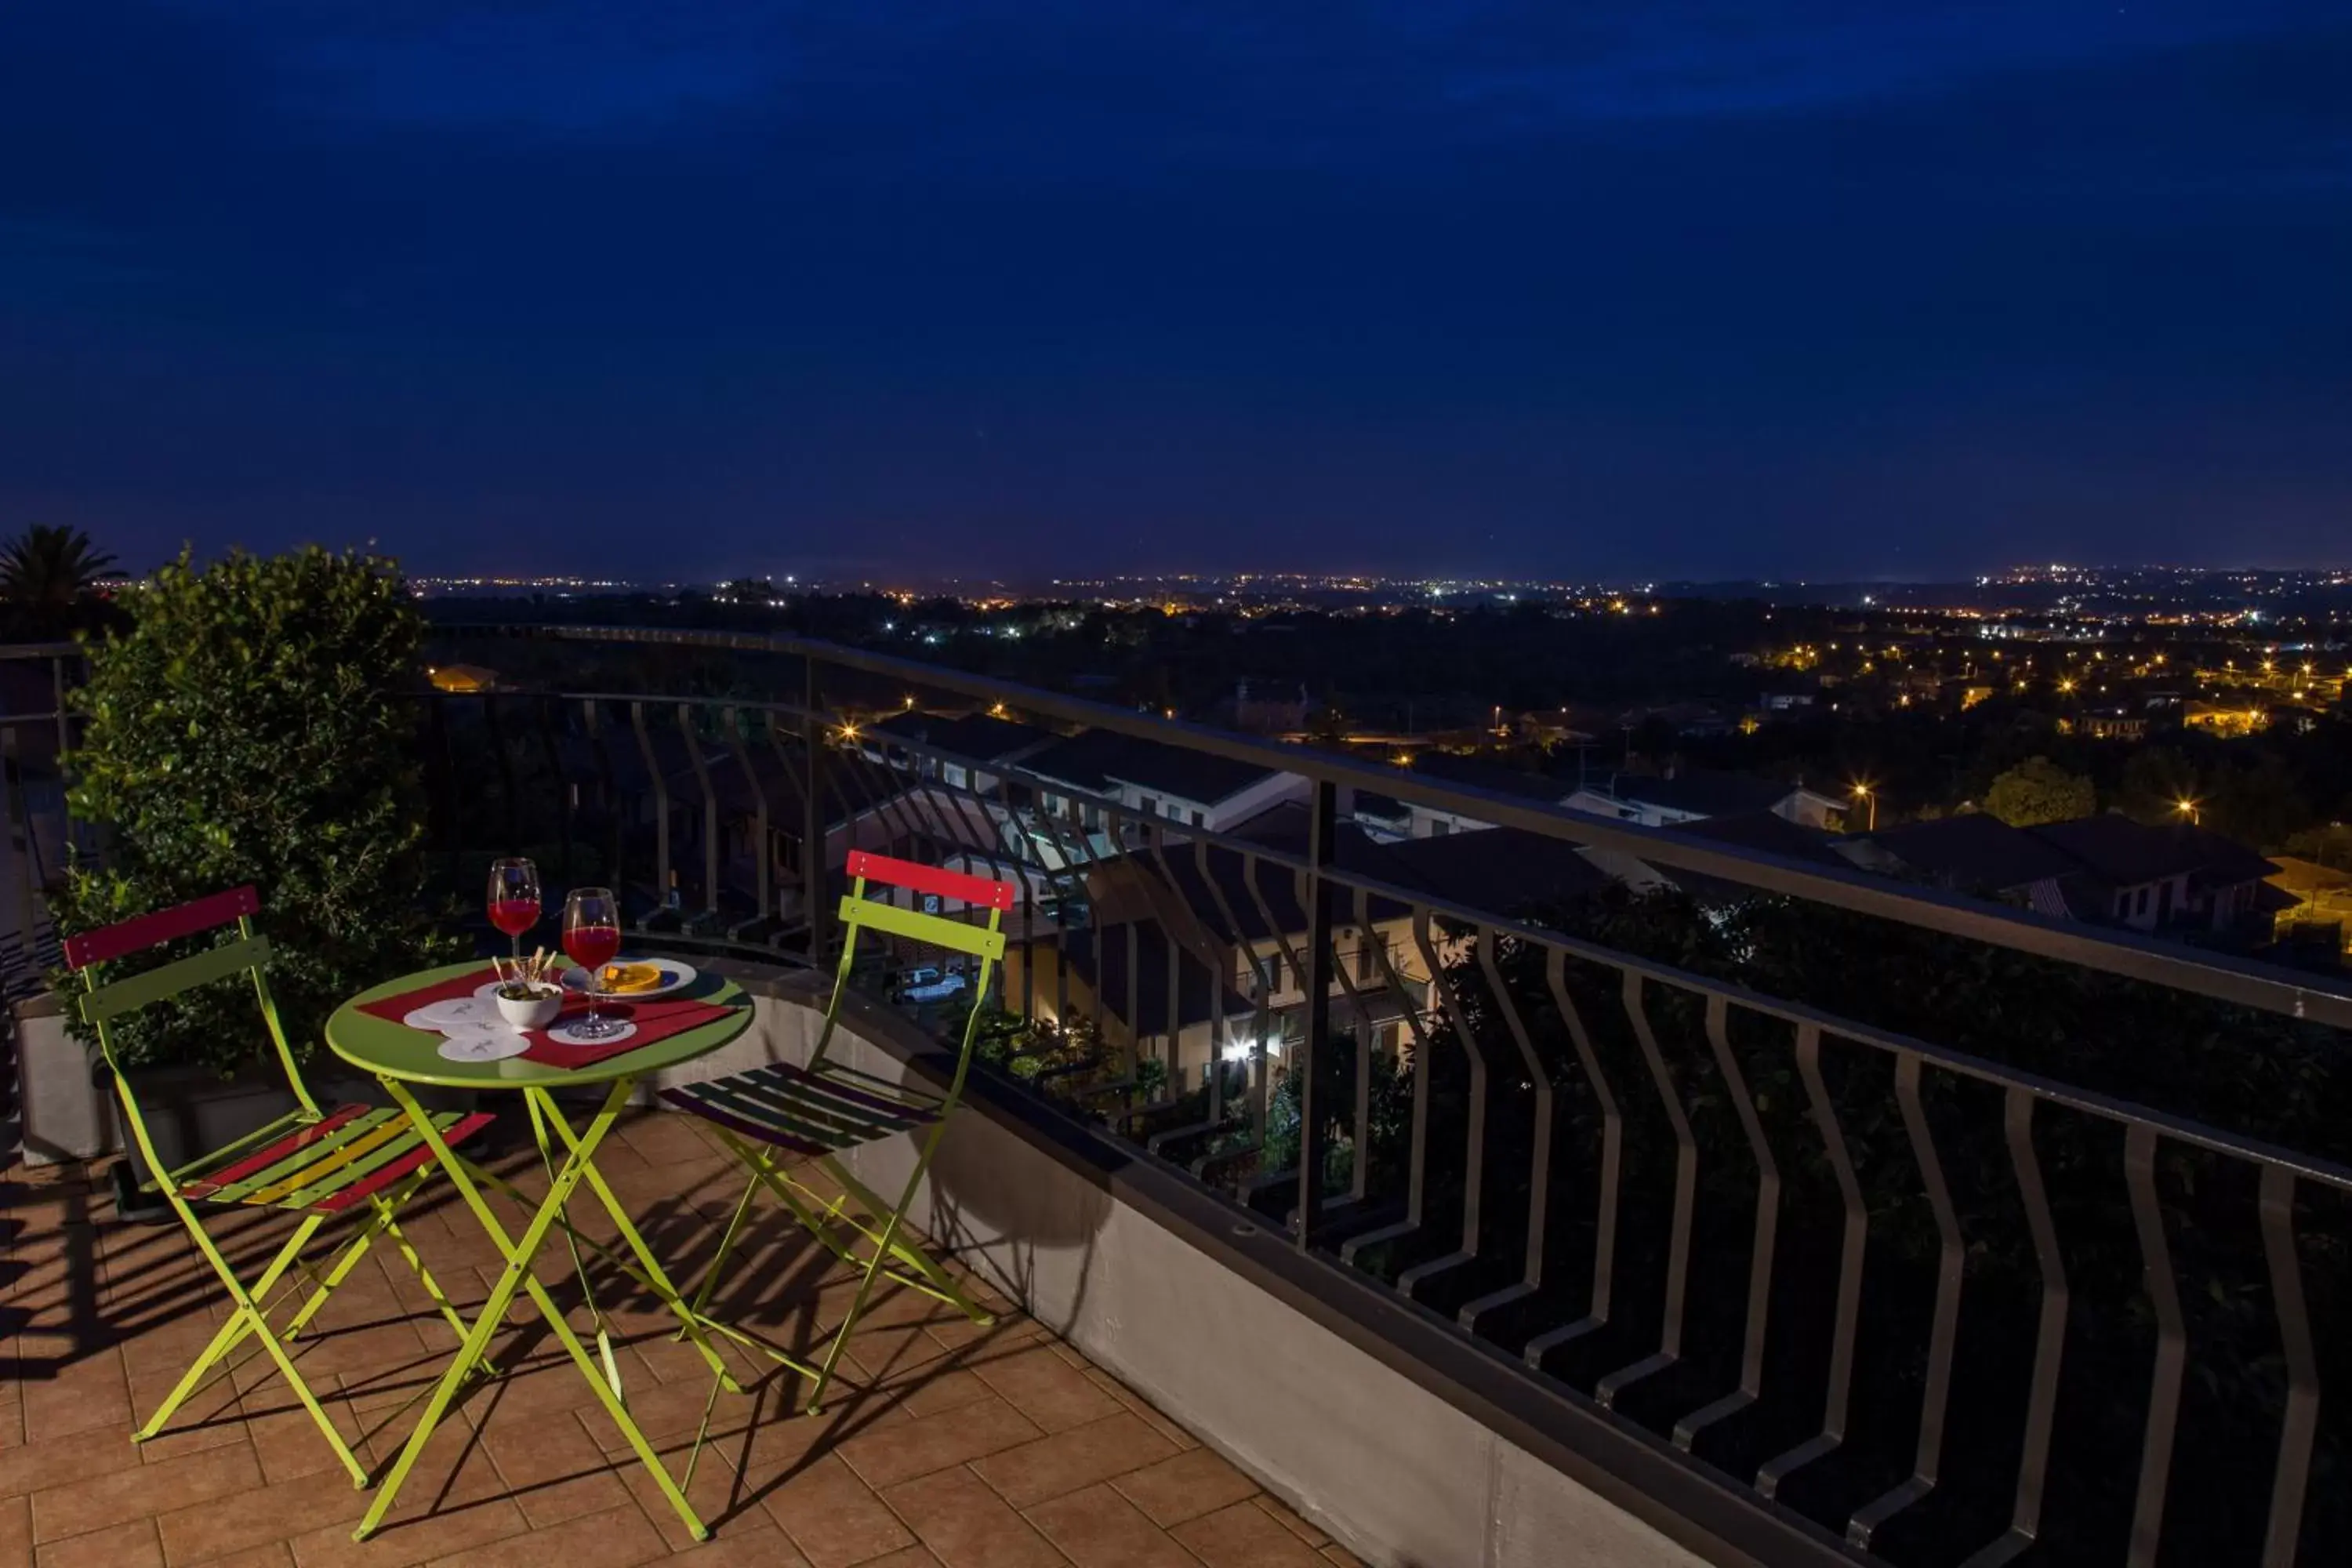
(1200, 819)
(1440, 826)
(1365, 967)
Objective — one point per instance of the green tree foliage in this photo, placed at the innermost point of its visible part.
(250, 729)
(2037, 791)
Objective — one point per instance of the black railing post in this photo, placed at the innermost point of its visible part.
(813, 822)
(1322, 828)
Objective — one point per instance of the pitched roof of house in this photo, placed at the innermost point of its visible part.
(981, 737)
(1503, 869)
(1700, 791)
(1974, 851)
(2125, 853)
(1492, 777)
(1769, 832)
(1094, 759)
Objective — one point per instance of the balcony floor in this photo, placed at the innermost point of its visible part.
(973, 1448)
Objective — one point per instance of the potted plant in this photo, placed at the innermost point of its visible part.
(250, 727)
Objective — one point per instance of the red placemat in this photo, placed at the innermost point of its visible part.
(656, 1019)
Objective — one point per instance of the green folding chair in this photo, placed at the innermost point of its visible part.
(355, 1160)
(826, 1109)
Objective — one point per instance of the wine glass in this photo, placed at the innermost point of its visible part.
(514, 899)
(592, 935)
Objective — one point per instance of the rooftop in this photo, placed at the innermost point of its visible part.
(1094, 759)
(982, 737)
(1700, 791)
(1975, 850)
(2122, 851)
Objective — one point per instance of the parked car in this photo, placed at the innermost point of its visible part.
(929, 984)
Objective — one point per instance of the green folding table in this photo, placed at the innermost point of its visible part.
(400, 1058)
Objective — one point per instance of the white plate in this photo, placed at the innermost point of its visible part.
(492, 1042)
(676, 976)
(437, 1016)
(563, 1034)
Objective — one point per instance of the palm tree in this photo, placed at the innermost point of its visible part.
(51, 568)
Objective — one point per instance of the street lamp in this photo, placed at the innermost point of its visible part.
(1862, 793)
(2188, 809)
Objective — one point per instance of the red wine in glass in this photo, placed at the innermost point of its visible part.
(592, 935)
(592, 947)
(514, 899)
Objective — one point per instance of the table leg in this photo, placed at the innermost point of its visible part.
(649, 1271)
(516, 1277)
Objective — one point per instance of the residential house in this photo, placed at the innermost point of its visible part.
(1147, 778)
(1977, 853)
(1426, 821)
(955, 749)
(1685, 794)
(2176, 876)
(1167, 922)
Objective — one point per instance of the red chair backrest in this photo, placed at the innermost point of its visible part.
(981, 891)
(142, 932)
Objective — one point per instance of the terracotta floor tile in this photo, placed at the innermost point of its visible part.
(1096, 1528)
(1142, 1409)
(1077, 1458)
(1189, 1483)
(99, 1502)
(833, 1517)
(1245, 1535)
(1046, 1389)
(744, 1543)
(902, 1451)
(553, 1469)
(406, 1537)
(1342, 1557)
(30, 1468)
(966, 1525)
(908, 1557)
(944, 1389)
(85, 1395)
(991, 1446)
(1290, 1522)
(241, 1520)
(130, 1544)
(619, 1538)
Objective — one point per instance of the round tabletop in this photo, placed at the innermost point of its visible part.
(393, 1049)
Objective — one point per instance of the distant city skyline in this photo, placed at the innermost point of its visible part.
(1693, 289)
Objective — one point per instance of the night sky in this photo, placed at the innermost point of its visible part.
(1683, 288)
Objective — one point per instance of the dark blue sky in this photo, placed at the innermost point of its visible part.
(1676, 287)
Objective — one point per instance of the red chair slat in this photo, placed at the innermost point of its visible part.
(165, 925)
(985, 893)
(400, 1170)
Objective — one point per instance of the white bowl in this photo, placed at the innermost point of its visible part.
(533, 1011)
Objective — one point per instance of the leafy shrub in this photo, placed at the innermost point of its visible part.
(248, 729)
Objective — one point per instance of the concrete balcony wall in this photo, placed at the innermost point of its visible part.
(1396, 1474)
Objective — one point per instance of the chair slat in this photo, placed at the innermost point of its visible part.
(983, 891)
(936, 930)
(453, 1131)
(90, 947)
(180, 974)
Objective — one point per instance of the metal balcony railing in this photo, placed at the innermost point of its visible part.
(1938, 1233)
